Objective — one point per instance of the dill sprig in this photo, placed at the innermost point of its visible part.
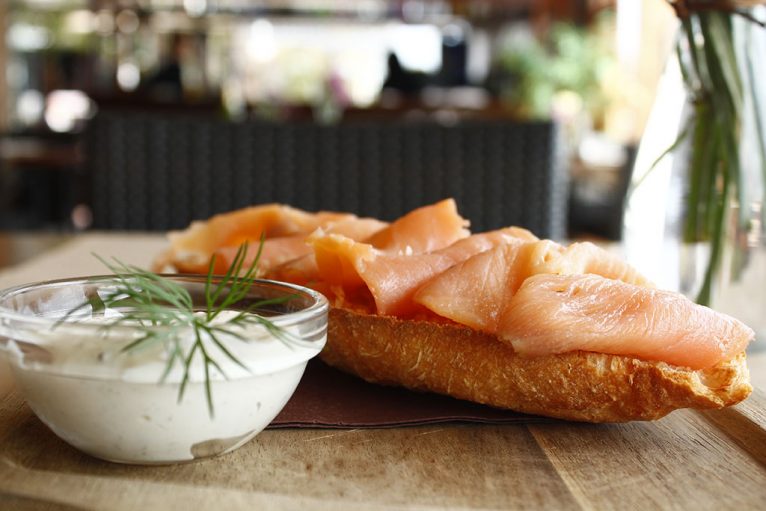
(163, 310)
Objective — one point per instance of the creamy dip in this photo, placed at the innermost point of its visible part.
(109, 403)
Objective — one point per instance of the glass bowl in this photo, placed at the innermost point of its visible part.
(81, 378)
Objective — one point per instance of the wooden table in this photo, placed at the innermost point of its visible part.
(689, 460)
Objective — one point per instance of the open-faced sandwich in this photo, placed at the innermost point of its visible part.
(501, 318)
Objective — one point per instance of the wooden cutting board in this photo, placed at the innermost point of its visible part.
(688, 460)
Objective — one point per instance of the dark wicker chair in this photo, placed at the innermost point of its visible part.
(154, 172)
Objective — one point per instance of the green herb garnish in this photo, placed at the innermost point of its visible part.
(162, 309)
(714, 54)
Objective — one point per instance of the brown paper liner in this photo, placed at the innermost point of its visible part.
(328, 398)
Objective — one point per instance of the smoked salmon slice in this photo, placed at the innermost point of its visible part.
(358, 229)
(394, 279)
(291, 258)
(562, 313)
(302, 271)
(474, 291)
(338, 249)
(193, 246)
(339, 258)
(423, 230)
(275, 251)
(586, 257)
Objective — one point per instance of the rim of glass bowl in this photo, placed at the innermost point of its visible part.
(319, 303)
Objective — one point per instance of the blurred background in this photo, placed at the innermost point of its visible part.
(146, 114)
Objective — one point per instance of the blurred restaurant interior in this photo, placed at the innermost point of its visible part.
(147, 114)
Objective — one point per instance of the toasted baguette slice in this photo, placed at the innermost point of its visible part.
(467, 364)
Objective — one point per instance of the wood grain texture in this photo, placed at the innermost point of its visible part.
(17, 503)
(688, 460)
(679, 462)
(683, 461)
(421, 467)
(745, 425)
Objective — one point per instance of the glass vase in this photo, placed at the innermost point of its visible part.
(726, 267)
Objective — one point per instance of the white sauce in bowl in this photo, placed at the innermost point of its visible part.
(110, 404)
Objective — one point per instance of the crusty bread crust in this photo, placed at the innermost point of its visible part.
(467, 364)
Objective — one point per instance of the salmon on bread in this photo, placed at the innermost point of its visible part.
(562, 313)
